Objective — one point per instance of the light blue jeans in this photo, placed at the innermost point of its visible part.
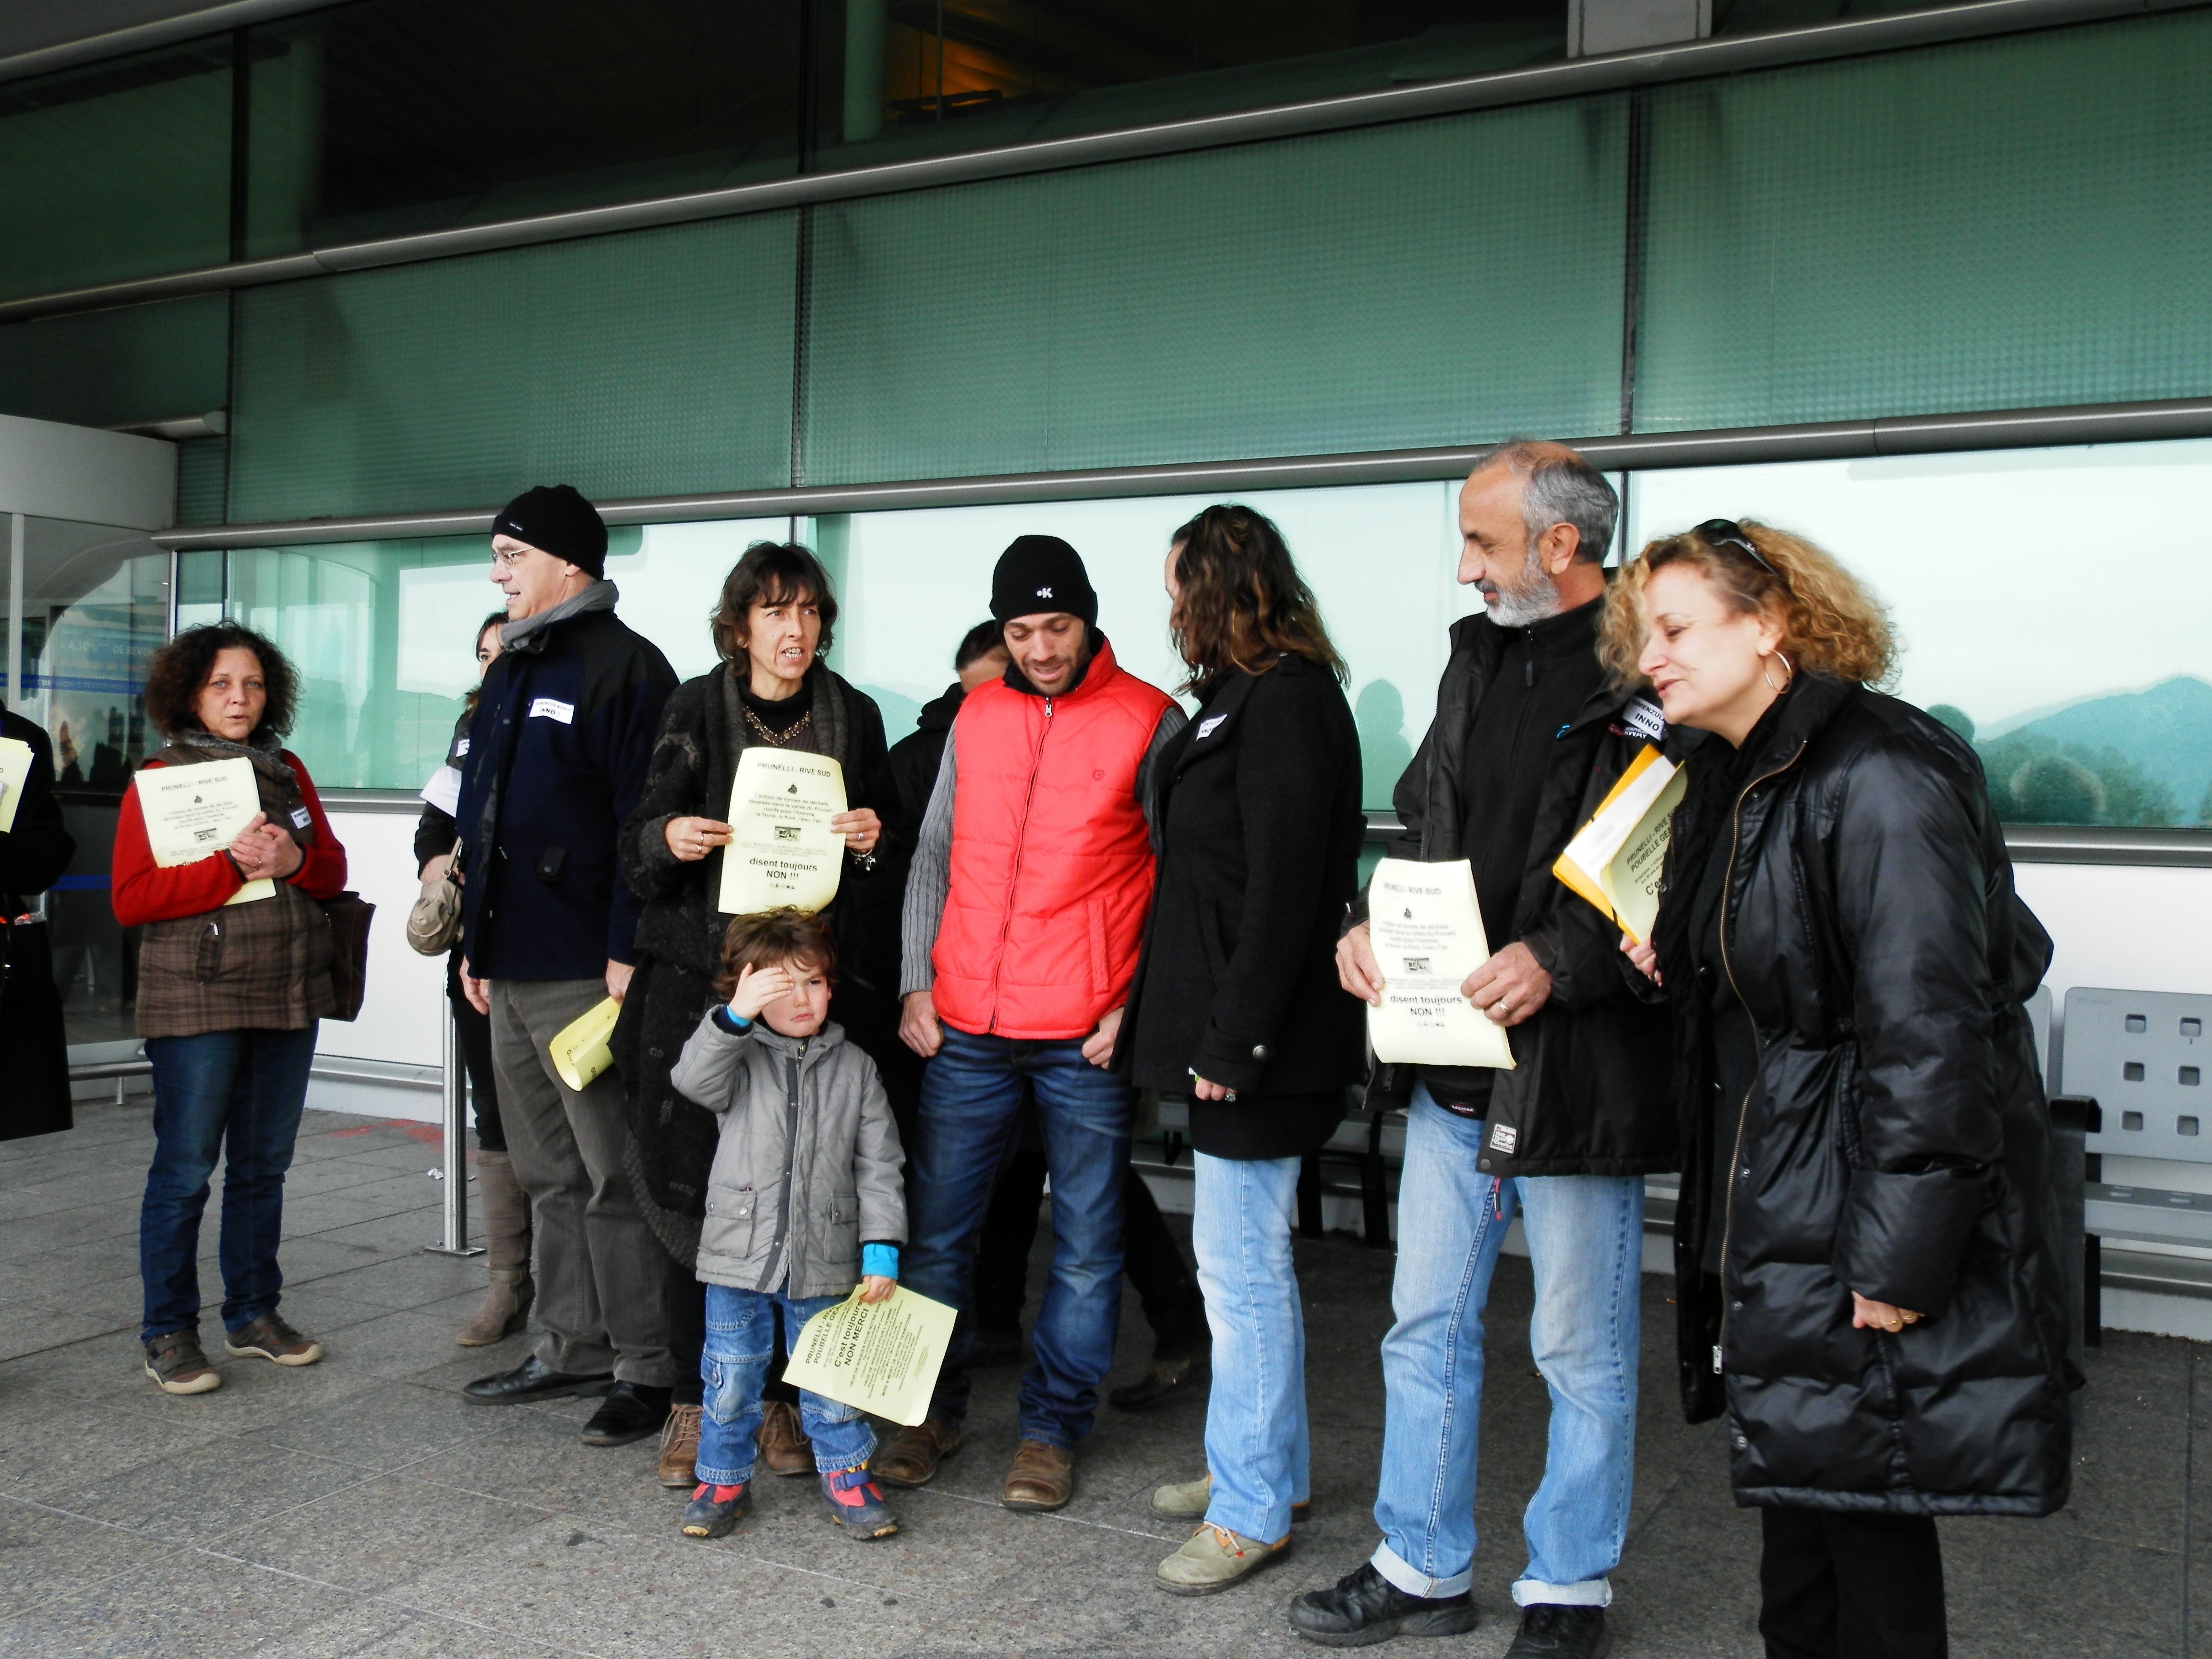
(733, 1367)
(1586, 1248)
(1256, 1448)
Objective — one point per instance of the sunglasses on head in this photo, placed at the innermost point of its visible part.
(1727, 532)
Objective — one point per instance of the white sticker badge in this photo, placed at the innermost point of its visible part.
(301, 817)
(1207, 725)
(552, 708)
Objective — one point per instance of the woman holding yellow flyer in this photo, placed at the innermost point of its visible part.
(222, 851)
(1866, 1279)
(771, 692)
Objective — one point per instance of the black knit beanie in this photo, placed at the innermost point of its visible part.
(555, 520)
(1041, 573)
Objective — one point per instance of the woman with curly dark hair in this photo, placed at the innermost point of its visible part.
(1235, 1005)
(231, 983)
(771, 629)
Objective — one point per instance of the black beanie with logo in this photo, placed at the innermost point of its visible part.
(554, 518)
(1040, 574)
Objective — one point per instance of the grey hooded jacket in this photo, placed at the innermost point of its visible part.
(808, 1166)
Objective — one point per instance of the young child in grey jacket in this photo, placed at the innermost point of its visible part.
(805, 1201)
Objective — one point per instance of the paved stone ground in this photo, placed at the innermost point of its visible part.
(362, 1507)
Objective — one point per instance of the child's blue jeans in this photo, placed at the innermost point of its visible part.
(733, 1365)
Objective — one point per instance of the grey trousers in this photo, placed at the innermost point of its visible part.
(606, 1288)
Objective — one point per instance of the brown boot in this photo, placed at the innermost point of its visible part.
(1042, 1477)
(679, 1448)
(912, 1455)
(783, 1443)
(506, 1307)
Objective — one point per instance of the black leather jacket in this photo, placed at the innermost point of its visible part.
(1894, 1138)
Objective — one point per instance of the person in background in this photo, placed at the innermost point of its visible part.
(506, 1307)
(35, 849)
(1867, 1282)
(808, 1204)
(558, 749)
(1235, 1006)
(1024, 906)
(776, 619)
(1528, 738)
(229, 998)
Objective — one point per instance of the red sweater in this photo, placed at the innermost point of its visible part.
(143, 892)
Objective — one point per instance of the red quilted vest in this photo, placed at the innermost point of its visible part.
(1052, 866)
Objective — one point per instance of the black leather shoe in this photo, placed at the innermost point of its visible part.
(533, 1379)
(630, 1412)
(1364, 1606)
(1188, 1374)
(1551, 1631)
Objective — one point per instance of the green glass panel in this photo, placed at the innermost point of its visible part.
(116, 169)
(203, 480)
(646, 364)
(382, 635)
(1429, 284)
(151, 362)
(2000, 224)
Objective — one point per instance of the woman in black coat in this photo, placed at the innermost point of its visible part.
(1868, 1286)
(35, 848)
(771, 687)
(1235, 1005)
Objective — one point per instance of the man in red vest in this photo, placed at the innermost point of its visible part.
(1032, 876)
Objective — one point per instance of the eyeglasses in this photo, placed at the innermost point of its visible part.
(507, 556)
(1727, 532)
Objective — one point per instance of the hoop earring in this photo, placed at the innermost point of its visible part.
(1770, 685)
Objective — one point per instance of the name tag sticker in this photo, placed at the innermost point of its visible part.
(552, 708)
(1643, 720)
(1503, 1137)
(301, 817)
(460, 748)
(1207, 726)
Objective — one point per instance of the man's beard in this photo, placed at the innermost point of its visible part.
(1530, 600)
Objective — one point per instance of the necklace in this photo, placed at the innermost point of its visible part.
(784, 738)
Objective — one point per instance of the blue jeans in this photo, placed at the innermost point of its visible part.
(1256, 1448)
(1586, 1250)
(968, 1096)
(733, 1367)
(236, 1095)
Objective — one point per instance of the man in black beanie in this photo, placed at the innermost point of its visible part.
(554, 759)
(1024, 902)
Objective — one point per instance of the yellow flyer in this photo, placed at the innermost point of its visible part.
(880, 1356)
(578, 1050)
(15, 769)
(1615, 860)
(782, 850)
(191, 812)
(1427, 931)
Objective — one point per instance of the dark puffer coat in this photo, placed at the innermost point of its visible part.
(1895, 1139)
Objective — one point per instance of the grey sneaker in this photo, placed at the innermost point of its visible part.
(270, 1338)
(174, 1361)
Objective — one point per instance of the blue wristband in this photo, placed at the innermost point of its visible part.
(729, 1022)
(879, 1260)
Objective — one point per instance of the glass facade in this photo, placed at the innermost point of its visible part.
(2087, 692)
(95, 608)
(2086, 706)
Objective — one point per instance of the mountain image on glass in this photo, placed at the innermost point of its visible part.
(2129, 758)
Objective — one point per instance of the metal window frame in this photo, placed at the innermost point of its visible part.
(1849, 36)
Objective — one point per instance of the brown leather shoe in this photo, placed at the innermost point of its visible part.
(679, 1449)
(1042, 1477)
(783, 1443)
(912, 1455)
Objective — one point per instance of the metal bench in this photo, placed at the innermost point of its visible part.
(2139, 1065)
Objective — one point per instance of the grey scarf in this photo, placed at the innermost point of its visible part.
(729, 734)
(528, 633)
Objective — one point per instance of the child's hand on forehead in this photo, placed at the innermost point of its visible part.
(757, 987)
